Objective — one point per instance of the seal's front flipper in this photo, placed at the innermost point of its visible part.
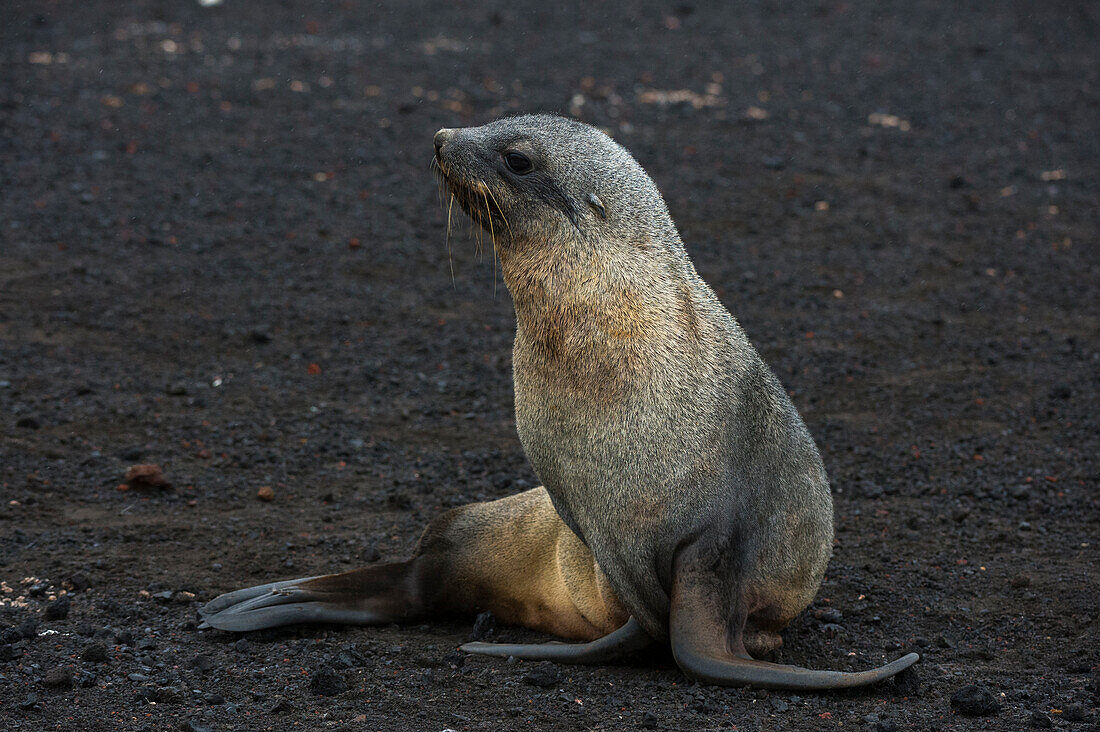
(613, 646)
(368, 596)
(710, 649)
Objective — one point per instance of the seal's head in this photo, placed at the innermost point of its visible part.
(539, 179)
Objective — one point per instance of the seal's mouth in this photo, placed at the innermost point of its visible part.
(475, 198)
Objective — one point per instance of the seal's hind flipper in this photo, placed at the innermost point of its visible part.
(613, 646)
(709, 648)
(369, 596)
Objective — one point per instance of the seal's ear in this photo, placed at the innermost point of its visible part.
(597, 204)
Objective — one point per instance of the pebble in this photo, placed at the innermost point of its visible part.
(202, 662)
(29, 702)
(281, 707)
(11, 635)
(58, 677)
(58, 609)
(349, 657)
(975, 701)
(1074, 713)
(94, 653)
(124, 638)
(829, 615)
(138, 677)
(1039, 720)
(241, 646)
(8, 652)
(544, 675)
(191, 725)
(146, 475)
(327, 682)
(213, 699)
(483, 626)
(80, 582)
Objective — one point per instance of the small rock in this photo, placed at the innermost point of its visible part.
(147, 695)
(58, 609)
(139, 678)
(146, 644)
(147, 475)
(202, 662)
(168, 695)
(28, 423)
(871, 490)
(213, 699)
(1060, 391)
(1020, 580)
(544, 676)
(58, 677)
(29, 702)
(282, 706)
(371, 554)
(886, 725)
(349, 657)
(975, 701)
(265, 493)
(1039, 720)
(191, 725)
(327, 682)
(94, 653)
(8, 652)
(829, 615)
(775, 162)
(29, 628)
(1074, 713)
(241, 646)
(483, 626)
(79, 582)
(124, 638)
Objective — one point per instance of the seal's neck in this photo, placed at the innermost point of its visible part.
(603, 301)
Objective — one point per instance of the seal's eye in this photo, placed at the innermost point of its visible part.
(518, 162)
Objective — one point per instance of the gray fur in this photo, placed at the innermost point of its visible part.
(673, 432)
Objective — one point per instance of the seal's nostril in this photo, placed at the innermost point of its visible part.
(441, 138)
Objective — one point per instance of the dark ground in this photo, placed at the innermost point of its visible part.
(221, 250)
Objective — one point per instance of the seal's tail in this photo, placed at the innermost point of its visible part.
(375, 595)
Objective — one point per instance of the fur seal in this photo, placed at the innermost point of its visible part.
(684, 500)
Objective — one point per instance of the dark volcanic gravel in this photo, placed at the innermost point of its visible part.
(222, 253)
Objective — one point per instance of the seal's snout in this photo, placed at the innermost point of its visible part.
(442, 138)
